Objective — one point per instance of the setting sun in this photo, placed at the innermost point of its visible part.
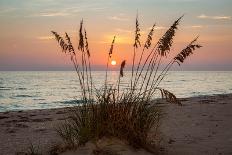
(113, 62)
(116, 76)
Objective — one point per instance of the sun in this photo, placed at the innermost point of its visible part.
(113, 62)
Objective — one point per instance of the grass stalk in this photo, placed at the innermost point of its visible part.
(123, 113)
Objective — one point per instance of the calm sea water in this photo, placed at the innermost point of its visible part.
(41, 90)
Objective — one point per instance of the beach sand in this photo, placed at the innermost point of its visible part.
(203, 125)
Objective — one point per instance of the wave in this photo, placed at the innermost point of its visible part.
(21, 88)
(5, 88)
(38, 99)
(24, 96)
(72, 102)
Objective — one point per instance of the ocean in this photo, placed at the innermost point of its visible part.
(26, 90)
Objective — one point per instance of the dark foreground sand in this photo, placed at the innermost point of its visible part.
(203, 125)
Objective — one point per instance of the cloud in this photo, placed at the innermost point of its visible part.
(54, 14)
(222, 17)
(45, 37)
(123, 30)
(203, 16)
(118, 18)
(122, 39)
(51, 14)
(158, 28)
(84, 8)
(65, 11)
(194, 26)
(197, 26)
(7, 10)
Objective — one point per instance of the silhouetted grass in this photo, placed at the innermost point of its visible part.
(32, 149)
(128, 114)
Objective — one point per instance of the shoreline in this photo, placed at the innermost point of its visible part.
(201, 126)
(158, 99)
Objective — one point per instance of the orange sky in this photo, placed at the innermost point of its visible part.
(27, 44)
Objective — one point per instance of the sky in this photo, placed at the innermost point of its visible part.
(26, 42)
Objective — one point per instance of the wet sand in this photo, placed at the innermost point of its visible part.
(203, 125)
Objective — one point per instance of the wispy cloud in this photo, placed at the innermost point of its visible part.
(54, 14)
(123, 30)
(84, 8)
(203, 16)
(6, 10)
(182, 0)
(45, 37)
(122, 39)
(119, 30)
(50, 14)
(195, 26)
(158, 28)
(121, 17)
(66, 11)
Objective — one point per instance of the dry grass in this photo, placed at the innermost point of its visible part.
(127, 114)
(32, 149)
